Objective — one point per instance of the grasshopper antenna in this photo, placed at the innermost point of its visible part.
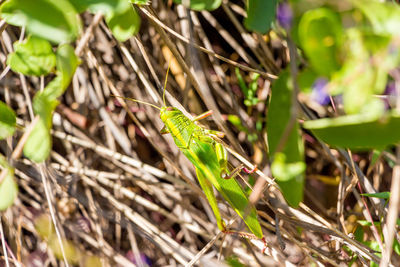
(138, 101)
(165, 83)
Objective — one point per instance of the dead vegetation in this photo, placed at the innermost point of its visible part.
(118, 189)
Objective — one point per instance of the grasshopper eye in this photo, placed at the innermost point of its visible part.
(169, 109)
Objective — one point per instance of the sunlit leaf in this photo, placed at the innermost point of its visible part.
(34, 56)
(122, 19)
(67, 62)
(365, 69)
(56, 21)
(7, 121)
(396, 246)
(320, 34)
(124, 22)
(286, 171)
(384, 17)
(367, 223)
(38, 145)
(140, 2)
(8, 190)
(202, 4)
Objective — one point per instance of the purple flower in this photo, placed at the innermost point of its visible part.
(319, 93)
(143, 258)
(390, 95)
(284, 15)
(390, 89)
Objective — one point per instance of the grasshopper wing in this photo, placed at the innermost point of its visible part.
(203, 157)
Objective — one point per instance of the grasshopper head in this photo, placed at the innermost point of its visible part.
(168, 112)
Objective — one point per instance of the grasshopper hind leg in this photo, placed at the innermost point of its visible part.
(209, 192)
(238, 169)
(222, 156)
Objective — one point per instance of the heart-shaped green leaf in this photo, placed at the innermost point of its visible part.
(34, 56)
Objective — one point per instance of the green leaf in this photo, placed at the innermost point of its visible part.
(44, 226)
(56, 21)
(396, 246)
(122, 19)
(95, 6)
(140, 2)
(8, 190)
(72, 253)
(67, 62)
(291, 157)
(260, 15)
(306, 79)
(384, 17)
(233, 261)
(368, 59)
(320, 33)
(359, 234)
(359, 131)
(376, 153)
(124, 22)
(79, 5)
(54, 88)
(384, 195)
(286, 171)
(242, 83)
(235, 120)
(202, 4)
(367, 223)
(7, 121)
(38, 145)
(39, 142)
(34, 56)
(253, 86)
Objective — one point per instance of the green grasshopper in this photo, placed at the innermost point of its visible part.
(209, 157)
